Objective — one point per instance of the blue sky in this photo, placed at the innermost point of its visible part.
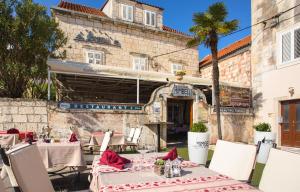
(178, 14)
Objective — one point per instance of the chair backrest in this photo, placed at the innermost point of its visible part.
(130, 136)
(2, 186)
(136, 136)
(29, 170)
(234, 160)
(105, 141)
(281, 172)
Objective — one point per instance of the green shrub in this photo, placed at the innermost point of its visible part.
(265, 127)
(199, 127)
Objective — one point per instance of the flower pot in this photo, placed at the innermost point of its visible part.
(159, 169)
(179, 77)
(265, 147)
(198, 144)
(269, 137)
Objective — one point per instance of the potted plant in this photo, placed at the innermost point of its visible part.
(198, 143)
(179, 74)
(159, 167)
(263, 132)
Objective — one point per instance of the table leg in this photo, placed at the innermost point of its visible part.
(158, 137)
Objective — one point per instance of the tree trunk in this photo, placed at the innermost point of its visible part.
(215, 77)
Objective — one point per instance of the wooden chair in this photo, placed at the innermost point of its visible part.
(281, 172)
(29, 170)
(234, 160)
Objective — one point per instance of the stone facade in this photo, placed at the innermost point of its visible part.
(235, 68)
(135, 40)
(23, 114)
(271, 78)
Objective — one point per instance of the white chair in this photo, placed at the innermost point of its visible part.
(2, 186)
(135, 139)
(131, 134)
(29, 170)
(281, 173)
(233, 159)
(105, 141)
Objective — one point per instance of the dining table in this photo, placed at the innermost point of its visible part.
(9, 140)
(61, 154)
(139, 176)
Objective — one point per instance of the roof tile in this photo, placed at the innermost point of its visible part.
(227, 50)
(98, 12)
(81, 8)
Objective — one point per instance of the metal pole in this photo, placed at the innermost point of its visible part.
(49, 84)
(138, 91)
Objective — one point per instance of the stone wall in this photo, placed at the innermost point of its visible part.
(23, 114)
(235, 127)
(271, 78)
(135, 40)
(235, 68)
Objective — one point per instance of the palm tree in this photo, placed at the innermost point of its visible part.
(208, 27)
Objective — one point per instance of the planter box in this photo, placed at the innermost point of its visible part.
(270, 137)
(198, 144)
(159, 169)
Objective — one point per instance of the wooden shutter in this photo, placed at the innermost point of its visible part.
(297, 43)
(286, 47)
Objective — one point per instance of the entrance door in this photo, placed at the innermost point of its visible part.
(290, 127)
(180, 114)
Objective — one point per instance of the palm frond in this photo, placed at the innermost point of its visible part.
(194, 42)
(218, 11)
(228, 27)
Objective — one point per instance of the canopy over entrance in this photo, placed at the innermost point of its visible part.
(85, 82)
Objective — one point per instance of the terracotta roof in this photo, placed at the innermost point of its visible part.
(140, 2)
(98, 12)
(227, 50)
(166, 28)
(81, 8)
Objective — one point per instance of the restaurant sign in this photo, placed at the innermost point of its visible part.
(94, 106)
(235, 97)
(181, 91)
(232, 110)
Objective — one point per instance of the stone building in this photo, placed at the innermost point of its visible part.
(118, 73)
(275, 60)
(234, 63)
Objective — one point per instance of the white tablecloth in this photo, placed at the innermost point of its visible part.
(61, 154)
(9, 140)
(193, 178)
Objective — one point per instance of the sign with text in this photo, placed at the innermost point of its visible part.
(181, 91)
(232, 110)
(235, 97)
(90, 37)
(83, 106)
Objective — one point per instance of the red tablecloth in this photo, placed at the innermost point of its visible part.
(22, 134)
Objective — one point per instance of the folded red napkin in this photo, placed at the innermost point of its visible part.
(30, 137)
(13, 131)
(73, 138)
(171, 155)
(111, 158)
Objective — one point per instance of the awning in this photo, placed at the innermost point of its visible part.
(78, 68)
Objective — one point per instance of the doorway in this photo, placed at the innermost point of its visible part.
(290, 126)
(180, 114)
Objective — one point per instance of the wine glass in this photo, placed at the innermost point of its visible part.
(142, 149)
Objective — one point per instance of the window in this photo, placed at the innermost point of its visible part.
(176, 67)
(127, 12)
(289, 46)
(93, 57)
(140, 63)
(150, 18)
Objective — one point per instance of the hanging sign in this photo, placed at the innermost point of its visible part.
(115, 107)
(181, 91)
